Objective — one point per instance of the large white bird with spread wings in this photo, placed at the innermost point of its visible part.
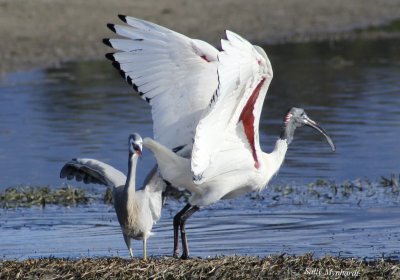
(206, 105)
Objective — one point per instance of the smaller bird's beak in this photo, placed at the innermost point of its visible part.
(137, 149)
(313, 124)
(138, 152)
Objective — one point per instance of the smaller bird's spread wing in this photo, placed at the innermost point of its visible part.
(92, 171)
(244, 75)
(175, 74)
(155, 187)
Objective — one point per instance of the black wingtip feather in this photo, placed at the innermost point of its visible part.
(122, 73)
(122, 17)
(129, 80)
(134, 86)
(111, 27)
(110, 56)
(107, 42)
(116, 65)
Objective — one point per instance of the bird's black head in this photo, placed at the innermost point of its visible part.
(297, 117)
(135, 144)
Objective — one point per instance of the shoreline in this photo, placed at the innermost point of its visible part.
(38, 35)
(232, 267)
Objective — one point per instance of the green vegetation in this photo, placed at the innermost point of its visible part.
(388, 185)
(26, 196)
(359, 192)
(393, 26)
(107, 198)
(356, 192)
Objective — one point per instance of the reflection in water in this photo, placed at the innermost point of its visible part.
(87, 110)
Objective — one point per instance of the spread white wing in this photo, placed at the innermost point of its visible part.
(231, 123)
(175, 74)
(93, 171)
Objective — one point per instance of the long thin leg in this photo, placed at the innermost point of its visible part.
(144, 249)
(128, 244)
(177, 221)
(184, 217)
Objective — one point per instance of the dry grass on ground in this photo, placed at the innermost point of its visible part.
(234, 267)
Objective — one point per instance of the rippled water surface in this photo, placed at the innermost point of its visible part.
(85, 110)
(224, 230)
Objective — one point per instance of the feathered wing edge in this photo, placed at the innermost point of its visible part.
(177, 75)
(92, 171)
(244, 71)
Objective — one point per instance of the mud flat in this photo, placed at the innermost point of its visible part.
(37, 34)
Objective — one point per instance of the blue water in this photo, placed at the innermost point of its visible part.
(87, 110)
(352, 89)
(242, 227)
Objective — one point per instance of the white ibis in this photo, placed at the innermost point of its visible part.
(207, 105)
(137, 211)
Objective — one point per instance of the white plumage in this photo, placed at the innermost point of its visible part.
(175, 74)
(241, 70)
(222, 159)
(211, 106)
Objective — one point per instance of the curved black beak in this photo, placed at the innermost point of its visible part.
(313, 124)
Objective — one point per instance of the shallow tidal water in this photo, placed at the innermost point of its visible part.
(244, 228)
(86, 110)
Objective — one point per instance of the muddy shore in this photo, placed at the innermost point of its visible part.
(41, 33)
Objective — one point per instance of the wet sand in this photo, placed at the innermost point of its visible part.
(41, 33)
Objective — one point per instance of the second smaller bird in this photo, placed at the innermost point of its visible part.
(137, 211)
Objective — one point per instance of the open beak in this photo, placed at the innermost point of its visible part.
(137, 149)
(313, 124)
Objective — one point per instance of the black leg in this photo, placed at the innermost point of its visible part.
(184, 217)
(177, 221)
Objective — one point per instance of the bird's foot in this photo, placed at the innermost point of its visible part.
(176, 253)
(185, 256)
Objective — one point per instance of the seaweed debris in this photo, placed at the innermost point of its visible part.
(356, 192)
(229, 267)
(321, 191)
(27, 196)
